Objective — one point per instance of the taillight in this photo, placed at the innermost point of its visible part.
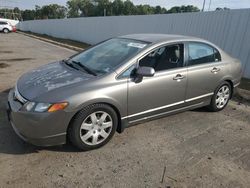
(13, 28)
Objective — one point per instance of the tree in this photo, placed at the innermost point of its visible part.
(74, 8)
(85, 7)
(28, 14)
(80, 8)
(128, 8)
(144, 9)
(101, 7)
(10, 13)
(188, 8)
(160, 10)
(54, 11)
(117, 7)
(164, 11)
(38, 12)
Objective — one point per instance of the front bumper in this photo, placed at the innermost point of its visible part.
(41, 129)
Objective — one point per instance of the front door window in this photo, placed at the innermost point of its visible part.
(164, 58)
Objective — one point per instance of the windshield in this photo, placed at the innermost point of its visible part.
(106, 56)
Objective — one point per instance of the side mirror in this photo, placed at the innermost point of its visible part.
(145, 71)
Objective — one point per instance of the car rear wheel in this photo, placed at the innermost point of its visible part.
(221, 97)
(5, 30)
(93, 127)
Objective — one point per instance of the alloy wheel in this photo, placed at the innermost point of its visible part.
(96, 128)
(222, 96)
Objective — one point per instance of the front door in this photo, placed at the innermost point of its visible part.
(165, 91)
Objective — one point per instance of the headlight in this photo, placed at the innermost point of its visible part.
(29, 106)
(44, 107)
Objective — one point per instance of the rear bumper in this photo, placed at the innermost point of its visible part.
(41, 129)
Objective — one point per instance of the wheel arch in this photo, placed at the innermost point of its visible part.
(6, 28)
(232, 86)
(114, 107)
(228, 79)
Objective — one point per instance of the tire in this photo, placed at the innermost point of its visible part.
(93, 127)
(221, 97)
(5, 30)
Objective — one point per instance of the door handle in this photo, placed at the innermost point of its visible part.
(178, 77)
(215, 70)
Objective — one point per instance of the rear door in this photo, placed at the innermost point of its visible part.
(205, 71)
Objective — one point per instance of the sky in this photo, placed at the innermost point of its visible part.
(232, 4)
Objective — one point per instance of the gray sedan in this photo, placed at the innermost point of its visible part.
(118, 83)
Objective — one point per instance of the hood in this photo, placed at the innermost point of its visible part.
(47, 78)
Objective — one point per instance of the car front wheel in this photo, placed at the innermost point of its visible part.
(221, 97)
(93, 127)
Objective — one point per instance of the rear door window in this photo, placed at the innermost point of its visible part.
(199, 53)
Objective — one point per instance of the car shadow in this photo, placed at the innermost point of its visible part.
(202, 109)
(10, 143)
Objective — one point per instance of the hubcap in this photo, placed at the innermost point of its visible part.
(222, 96)
(96, 128)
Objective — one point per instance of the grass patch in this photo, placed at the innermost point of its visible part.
(64, 41)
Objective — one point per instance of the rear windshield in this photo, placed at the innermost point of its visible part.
(106, 56)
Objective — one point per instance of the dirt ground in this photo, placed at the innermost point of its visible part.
(192, 149)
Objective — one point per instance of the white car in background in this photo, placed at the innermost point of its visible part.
(6, 27)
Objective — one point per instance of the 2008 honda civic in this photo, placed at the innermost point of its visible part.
(118, 83)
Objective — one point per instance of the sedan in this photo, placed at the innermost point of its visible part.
(118, 83)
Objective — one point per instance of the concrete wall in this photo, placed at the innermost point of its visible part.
(228, 29)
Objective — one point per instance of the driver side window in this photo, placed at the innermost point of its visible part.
(164, 58)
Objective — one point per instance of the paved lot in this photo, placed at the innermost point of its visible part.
(196, 148)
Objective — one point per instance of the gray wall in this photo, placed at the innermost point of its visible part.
(230, 30)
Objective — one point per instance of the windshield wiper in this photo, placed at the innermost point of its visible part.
(88, 70)
(69, 64)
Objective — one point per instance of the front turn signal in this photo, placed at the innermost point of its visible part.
(57, 106)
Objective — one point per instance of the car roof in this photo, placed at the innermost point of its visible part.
(154, 38)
